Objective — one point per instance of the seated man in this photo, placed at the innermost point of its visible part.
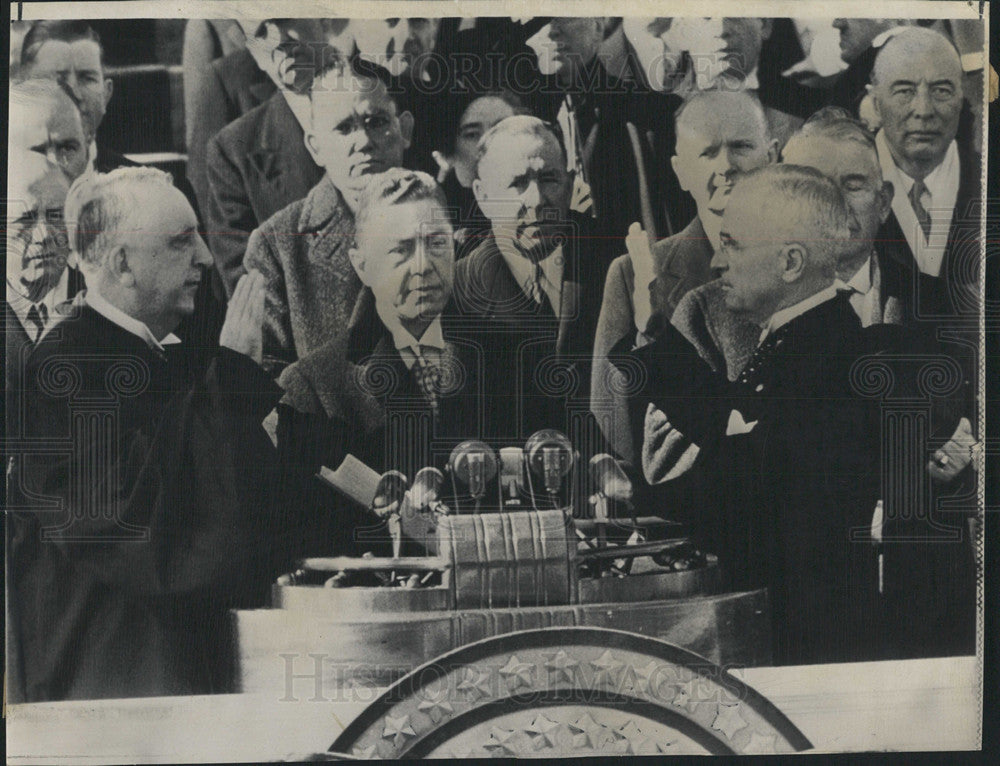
(399, 390)
(129, 545)
(529, 294)
(302, 251)
(720, 135)
(784, 474)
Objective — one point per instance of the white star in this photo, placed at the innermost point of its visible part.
(364, 752)
(687, 695)
(544, 732)
(436, 707)
(500, 740)
(644, 677)
(590, 734)
(760, 744)
(397, 729)
(605, 668)
(476, 683)
(728, 720)
(562, 666)
(516, 673)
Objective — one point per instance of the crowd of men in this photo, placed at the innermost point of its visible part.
(649, 236)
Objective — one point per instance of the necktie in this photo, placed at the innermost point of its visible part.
(428, 377)
(38, 315)
(534, 286)
(917, 191)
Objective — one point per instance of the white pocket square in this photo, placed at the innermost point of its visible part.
(737, 425)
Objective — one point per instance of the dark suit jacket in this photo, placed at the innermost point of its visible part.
(130, 599)
(231, 87)
(955, 290)
(302, 251)
(681, 263)
(257, 165)
(537, 365)
(779, 504)
(354, 395)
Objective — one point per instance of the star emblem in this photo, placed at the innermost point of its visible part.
(760, 743)
(728, 720)
(397, 729)
(687, 695)
(364, 752)
(543, 731)
(562, 666)
(516, 673)
(605, 667)
(501, 741)
(437, 707)
(643, 678)
(589, 733)
(476, 683)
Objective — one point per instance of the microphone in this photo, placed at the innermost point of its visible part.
(474, 464)
(609, 480)
(389, 497)
(550, 456)
(425, 494)
(511, 474)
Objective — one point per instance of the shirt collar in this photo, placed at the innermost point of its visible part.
(403, 340)
(130, 324)
(784, 316)
(862, 280)
(92, 158)
(21, 305)
(935, 180)
(522, 268)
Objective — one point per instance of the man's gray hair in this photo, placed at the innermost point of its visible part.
(396, 187)
(98, 204)
(28, 95)
(809, 207)
(911, 40)
(519, 125)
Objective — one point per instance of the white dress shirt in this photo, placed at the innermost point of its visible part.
(21, 305)
(430, 345)
(523, 271)
(130, 324)
(939, 201)
(786, 315)
(865, 293)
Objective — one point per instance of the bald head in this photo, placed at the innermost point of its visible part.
(917, 96)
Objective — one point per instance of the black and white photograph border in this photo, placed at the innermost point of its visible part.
(626, 531)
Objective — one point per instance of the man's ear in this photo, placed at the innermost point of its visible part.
(119, 266)
(358, 262)
(309, 139)
(679, 169)
(406, 128)
(792, 262)
(109, 89)
(772, 151)
(884, 200)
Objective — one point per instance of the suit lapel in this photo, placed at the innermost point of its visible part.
(284, 168)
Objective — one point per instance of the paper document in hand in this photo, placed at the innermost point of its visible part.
(353, 479)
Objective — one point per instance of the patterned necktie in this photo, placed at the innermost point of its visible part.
(38, 315)
(917, 191)
(428, 377)
(751, 377)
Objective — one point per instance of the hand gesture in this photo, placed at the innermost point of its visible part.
(243, 329)
(951, 459)
(639, 252)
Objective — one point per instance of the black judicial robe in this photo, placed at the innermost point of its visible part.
(139, 517)
(788, 505)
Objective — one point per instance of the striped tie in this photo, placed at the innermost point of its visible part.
(917, 191)
(428, 377)
(38, 315)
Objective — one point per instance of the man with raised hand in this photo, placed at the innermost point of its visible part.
(162, 517)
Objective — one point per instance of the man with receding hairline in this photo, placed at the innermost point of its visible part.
(786, 453)
(917, 97)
